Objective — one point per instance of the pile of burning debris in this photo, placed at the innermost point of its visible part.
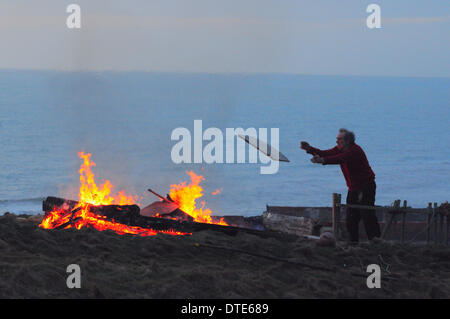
(97, 207)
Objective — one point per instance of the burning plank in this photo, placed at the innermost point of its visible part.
(119, 213)
(123, 219)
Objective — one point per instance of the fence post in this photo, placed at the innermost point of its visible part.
(394, 218)
(336, 214)
(441, 226)
(392, 213)
(394, 225)
(430, 212)
(435, 224)
(404, 220)
(446, 232)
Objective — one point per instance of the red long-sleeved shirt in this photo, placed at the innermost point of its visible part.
(354, 165)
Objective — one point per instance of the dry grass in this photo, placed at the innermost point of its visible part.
(33, 265)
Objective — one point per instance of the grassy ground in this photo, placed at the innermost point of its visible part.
(33, 264)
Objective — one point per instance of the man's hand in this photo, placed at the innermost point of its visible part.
(317, 159)
(304, 145)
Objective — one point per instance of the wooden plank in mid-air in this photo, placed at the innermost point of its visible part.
(266, 149)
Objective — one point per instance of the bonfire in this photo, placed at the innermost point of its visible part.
(85, 213)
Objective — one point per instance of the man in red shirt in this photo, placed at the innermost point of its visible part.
(359, 177)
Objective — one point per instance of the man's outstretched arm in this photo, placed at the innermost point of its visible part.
(315, 151)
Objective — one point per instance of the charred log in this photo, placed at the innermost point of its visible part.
(124, 214)
(50, 203)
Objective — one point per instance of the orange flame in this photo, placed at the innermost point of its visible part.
(92, 195)
(185, 197)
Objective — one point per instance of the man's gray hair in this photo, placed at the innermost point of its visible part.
(349, 136)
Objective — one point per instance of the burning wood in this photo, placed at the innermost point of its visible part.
(185, 196)
(120, 213)
(98, 207)
(119, 218)
(165, 209)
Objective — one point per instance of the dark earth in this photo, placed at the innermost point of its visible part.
(33, 264)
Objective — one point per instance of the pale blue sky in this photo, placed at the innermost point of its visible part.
(245, 36)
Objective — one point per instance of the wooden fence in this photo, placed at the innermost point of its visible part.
(436, 219)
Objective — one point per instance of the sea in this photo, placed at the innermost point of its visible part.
(125, 120)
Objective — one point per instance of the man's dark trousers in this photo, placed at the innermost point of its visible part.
(366, 196)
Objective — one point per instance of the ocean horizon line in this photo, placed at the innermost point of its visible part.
(160, 72)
